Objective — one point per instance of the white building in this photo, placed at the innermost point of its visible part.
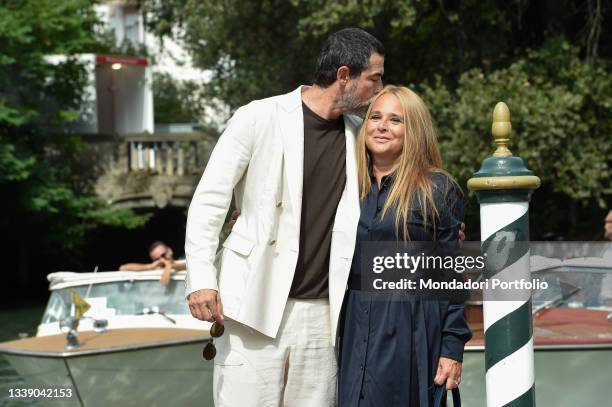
(119, 97)
(126, 20)
(127, 23)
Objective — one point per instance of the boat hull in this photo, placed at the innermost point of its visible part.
(157, 376)
(563, 378)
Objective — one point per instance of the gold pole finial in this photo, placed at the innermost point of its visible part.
(501, 130)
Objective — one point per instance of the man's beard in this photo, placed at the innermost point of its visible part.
(350, 103)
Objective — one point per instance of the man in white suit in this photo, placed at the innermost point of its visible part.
(279, 281)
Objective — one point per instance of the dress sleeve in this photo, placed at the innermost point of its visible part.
(455, 332)
(455, 329)
(449, 201)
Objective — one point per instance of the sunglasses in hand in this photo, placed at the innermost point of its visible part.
(210, 351)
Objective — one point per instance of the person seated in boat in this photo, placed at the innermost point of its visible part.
(162, 257)
(608, 226)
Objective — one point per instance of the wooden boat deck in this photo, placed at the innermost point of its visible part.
(561, 327)
(111, 340)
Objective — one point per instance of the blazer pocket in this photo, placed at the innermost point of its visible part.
(239, 243)
(341, 246)
(232, 358)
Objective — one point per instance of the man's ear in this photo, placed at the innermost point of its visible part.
(343, 74)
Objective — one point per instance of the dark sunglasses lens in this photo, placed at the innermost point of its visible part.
(209, 351)
(216, 330)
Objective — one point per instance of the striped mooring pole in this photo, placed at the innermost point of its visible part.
(503, 186)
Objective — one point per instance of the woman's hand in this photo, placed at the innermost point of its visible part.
(449, 372)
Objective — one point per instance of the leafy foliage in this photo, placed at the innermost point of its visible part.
(45, 178)
(549, 61)
(257, 49)
(176, 101)
(561, 116)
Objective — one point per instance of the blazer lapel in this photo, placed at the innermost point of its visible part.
(291, 123)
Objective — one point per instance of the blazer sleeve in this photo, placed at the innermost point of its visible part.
(455, 329)
(211, 200)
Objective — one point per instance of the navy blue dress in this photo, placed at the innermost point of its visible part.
(389, 350)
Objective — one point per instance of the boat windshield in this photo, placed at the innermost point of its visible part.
(575, 288)
(120, 298)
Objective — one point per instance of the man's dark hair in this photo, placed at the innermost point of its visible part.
(155, 244)
(351, 47)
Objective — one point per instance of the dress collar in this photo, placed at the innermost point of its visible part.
(386, 180)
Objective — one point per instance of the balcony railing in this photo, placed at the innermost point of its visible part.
(144, 170)
(163, 155)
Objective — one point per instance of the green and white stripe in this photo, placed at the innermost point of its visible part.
(508, 323)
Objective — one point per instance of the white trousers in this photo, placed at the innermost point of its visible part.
(296, 369)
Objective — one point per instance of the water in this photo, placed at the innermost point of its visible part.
(22, 319)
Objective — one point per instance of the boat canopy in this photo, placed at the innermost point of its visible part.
(539, 263)
(64, 279)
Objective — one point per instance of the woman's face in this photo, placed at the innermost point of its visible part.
(385, 129)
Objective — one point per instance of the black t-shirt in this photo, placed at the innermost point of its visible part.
(324, 179)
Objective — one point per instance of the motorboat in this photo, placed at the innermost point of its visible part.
(138, 345)
(572, 327)
(135, 345)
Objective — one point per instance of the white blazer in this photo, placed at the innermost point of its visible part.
(260, 158)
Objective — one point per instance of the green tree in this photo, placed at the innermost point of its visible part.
(561, 113)
(45, 178)
(261, 48)
(176, 101)
(550, 61)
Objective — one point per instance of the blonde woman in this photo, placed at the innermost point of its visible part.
(393, 352)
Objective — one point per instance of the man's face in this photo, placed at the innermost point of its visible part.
(161, 252)
(360, 90)
(608, 226)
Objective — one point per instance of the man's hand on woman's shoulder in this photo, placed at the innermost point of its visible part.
(462, 232)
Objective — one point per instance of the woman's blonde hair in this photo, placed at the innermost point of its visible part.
(420, 158)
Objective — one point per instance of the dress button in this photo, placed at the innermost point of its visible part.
(365, 340)
(272, 242)
(361, 396)
(279, 204)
